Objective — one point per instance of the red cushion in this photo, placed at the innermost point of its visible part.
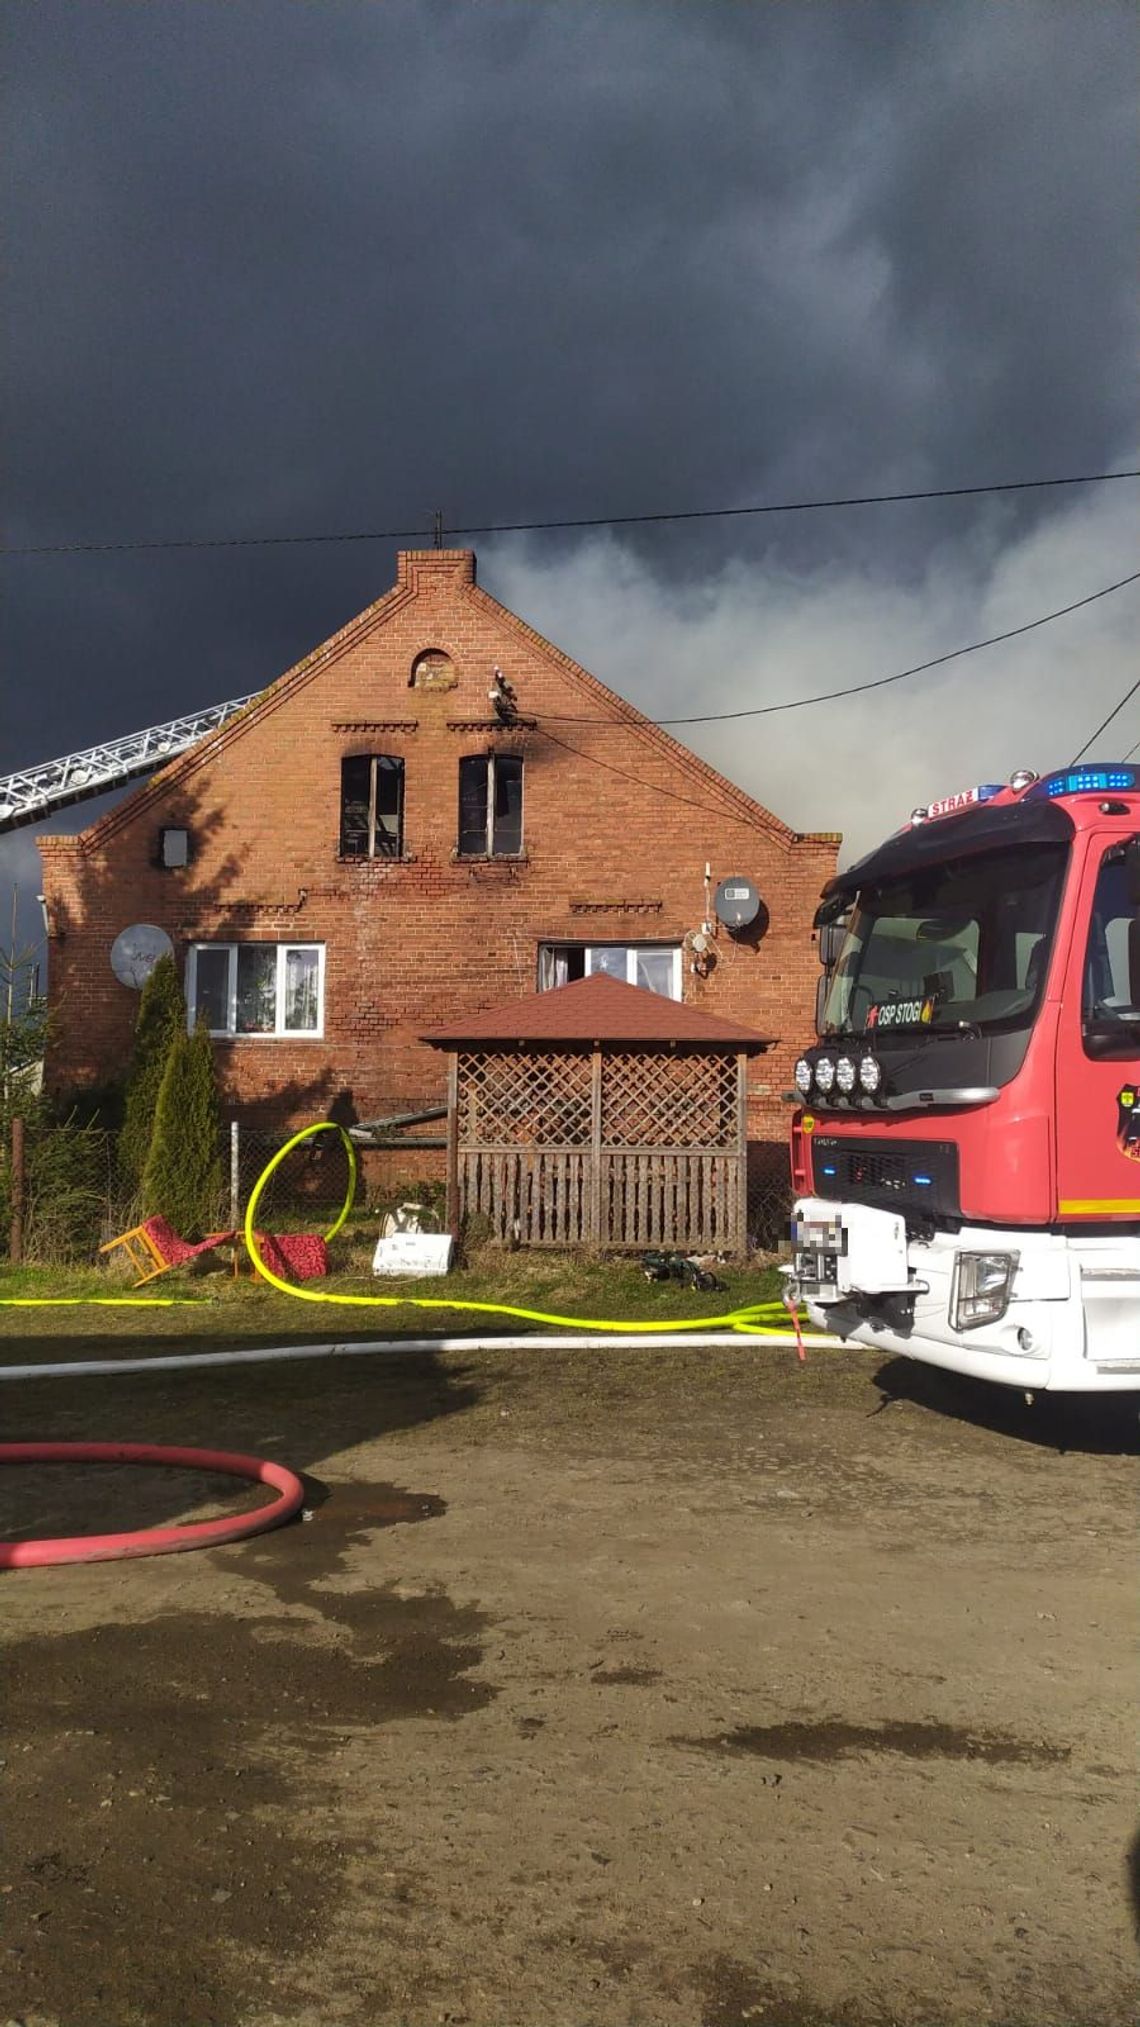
(173, 1249)
(294, 1256)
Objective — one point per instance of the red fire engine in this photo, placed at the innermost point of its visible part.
(966, 1146)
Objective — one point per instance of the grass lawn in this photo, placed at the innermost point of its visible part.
(208, 1303)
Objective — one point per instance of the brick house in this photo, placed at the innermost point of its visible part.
(433, 811)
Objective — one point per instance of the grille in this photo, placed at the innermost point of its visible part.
(917, 1177)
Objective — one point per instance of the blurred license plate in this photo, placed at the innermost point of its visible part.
(817, 1267)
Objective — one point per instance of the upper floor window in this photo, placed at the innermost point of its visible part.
(490, 805)
(656, 966)
(371, 806)
(256, 988)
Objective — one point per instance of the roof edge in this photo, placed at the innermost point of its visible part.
(654, 734)
(262, 706)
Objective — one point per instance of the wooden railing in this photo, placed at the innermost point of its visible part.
(628, 1197)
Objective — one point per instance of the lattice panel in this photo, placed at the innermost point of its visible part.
(669, 1101)
(506, 1099)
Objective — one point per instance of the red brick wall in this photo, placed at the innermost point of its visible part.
(616, 838)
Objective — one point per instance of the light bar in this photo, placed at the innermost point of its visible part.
(1109, 780)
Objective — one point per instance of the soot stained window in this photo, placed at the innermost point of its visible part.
(490, 805)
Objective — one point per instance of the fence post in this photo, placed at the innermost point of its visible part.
(16, 1239)
(594, 1207)
(740, 1209)
(235, 1175)
(453, 1208)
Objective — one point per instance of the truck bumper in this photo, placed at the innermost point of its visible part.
(1071, 1322)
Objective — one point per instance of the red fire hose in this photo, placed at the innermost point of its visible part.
(151, 1540)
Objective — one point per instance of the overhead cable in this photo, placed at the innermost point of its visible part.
(591, 521)
(1105, 722)
(879, 682)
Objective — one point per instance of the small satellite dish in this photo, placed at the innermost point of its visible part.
(737, 902)
(136, 951)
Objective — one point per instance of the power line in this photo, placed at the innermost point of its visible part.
(798, 703)
(670, 794)
(1128, 694)
(593, 521)
(1132, 750)
(882, 682)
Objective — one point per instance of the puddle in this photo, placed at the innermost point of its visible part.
(637, 1677)
(832, 1739)
(166, 1779)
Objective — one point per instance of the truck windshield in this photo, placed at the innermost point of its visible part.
(965, 944)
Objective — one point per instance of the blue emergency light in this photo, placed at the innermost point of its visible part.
(1111, 780)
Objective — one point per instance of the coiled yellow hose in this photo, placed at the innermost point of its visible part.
(751, 1319)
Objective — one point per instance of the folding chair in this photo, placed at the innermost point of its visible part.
(154, 1247)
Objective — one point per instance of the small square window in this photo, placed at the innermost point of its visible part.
(174, 847)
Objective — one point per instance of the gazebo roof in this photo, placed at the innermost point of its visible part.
(595, 1010)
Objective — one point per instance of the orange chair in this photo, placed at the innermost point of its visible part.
(154, 1247)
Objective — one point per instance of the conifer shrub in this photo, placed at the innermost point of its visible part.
(161, 1018)
(183, 1177)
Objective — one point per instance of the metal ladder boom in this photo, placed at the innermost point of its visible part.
(35, 792)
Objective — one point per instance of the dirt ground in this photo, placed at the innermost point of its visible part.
(598, 1688)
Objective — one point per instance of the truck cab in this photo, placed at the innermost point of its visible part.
(966, 1145)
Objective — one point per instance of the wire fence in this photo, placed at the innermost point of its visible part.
(73, 1199)
(309, 1186)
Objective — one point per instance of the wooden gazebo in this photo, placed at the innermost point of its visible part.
(599, 1114)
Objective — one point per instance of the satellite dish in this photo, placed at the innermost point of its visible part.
(737, 902)
(136, 951)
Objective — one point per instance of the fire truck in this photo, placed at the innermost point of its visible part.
(966, 1142)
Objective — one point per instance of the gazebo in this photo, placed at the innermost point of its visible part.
(599, 1114)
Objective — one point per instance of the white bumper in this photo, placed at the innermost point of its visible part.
(1071, 1323)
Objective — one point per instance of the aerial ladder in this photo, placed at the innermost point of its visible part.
(33, 793)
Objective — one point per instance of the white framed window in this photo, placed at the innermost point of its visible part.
(269, 989)
(654, 966)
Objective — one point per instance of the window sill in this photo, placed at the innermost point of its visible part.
(302, 1035)
(378, 859)
(490, 858)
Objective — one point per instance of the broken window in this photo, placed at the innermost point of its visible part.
(655, 966)
(256, 988)
(371, 806)
(490, 805)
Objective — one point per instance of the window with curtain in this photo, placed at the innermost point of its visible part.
(272, 989)
(654, 966)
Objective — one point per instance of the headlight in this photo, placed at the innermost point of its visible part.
(981, 1288)
(824, 1074)
(802, 1075)
(845, 1074)
(870, 1074)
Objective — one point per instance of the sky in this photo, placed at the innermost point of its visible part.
(287, 268)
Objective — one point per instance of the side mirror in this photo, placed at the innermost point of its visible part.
(1128, 856)
(831, 940)
(1132, 870)
(1115, 1033)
